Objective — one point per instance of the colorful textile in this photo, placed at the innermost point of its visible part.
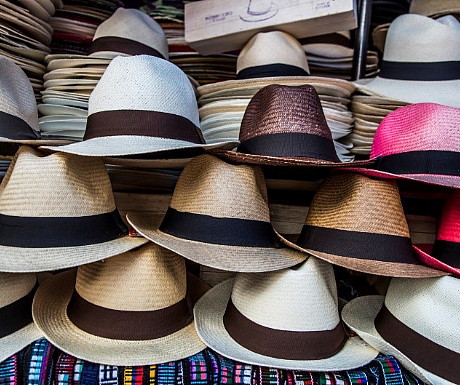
(9, 371)
(38, 363)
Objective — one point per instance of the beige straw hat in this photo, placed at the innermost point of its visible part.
(219, 216)
(131, 309)
(358, 223)
(435, 8)
(416, 322)
(285, 319)
(17, 329)
(63, 213)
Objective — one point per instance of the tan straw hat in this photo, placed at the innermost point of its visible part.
(219, 216)
(131, 309)
(358, 223)
(17, 329)
(416, 322)
(285, 319)
(435, 8)
(58, 211)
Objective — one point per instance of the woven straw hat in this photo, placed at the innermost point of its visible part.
(132, 309)
(285, 126)
(446, 250)
(130, 32)
(419, 142)
(17, 329)
(359, 223)
(141, 105)
(417, 322)
(267, 319)
(219, 216)
(52, 232)
(434, 8)
(420, 61)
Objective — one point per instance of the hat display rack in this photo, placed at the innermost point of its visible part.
(248, 217)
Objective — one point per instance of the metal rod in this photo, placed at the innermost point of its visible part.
(362, 39)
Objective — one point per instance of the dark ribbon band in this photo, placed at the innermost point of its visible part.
(284, 344)
(16, 315)
(292, 144)
(271, 70)
(60, 231)
(143, 123)
(420, 162)
(220, 231)
(433, 71)
(128, 325)
(330, 38)
(447, 252)
(14, 128)
(123, 45)
(429, 355)
(357, 244)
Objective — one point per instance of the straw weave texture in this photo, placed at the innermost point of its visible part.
(449, 226)
(15, 286)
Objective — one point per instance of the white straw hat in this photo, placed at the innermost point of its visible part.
(284, 319)
(131, 309)
(417, 322)
(17, 329)
(58, 211)
(421, 61)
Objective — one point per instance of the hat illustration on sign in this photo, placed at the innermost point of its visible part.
(219, 216)
(267, 319)
(416, 322)
(260, 10)
(131, 309)
(50, 232)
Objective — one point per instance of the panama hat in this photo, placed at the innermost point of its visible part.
(446, 250)
(420, 62)
(418, 142)
(131, 309)
(51, 232)
(266, 319)
(17, 329)
(141, 105)
(416, 322)
(359, 223)
(434, 8)
(219, 216)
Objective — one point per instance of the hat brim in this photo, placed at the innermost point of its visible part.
(34, 259)
(429, 260)
(36, 142)
(223, 257)
(178, 163)
(209, 312)
(359, 315)
(50, 315)
(18, 340)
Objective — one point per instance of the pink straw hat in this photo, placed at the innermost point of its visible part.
(419, 142)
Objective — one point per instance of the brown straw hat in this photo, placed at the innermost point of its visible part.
(58, 211)
(285, 126)
(359, 223)
(219, 216)
(131, 309)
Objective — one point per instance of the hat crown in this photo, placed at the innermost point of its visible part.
(284, 299)
(449, 225)
(56, 185)
(144, 279)
(145, 83)
(14, 286)
(210, 186)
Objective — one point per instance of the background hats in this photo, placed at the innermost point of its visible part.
(417, 322)
(142, 104)
(434, 8)
(17, 329)
(419, 142)
(267, 319)
(219, 216)
(131, 309)
(359, 223)
(446, 251)
(421, 61)
(58, 211)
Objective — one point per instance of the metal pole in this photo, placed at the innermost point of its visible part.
(362, 38)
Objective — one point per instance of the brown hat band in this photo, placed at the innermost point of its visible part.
(142, 123)
(440, 361)
(220, 231)
(284, 344)
(291, 144)
(271, 70)
(12, 127)
(352, 244)
(447, 252)
(128, 325)
(122, 45)
(16, 315)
